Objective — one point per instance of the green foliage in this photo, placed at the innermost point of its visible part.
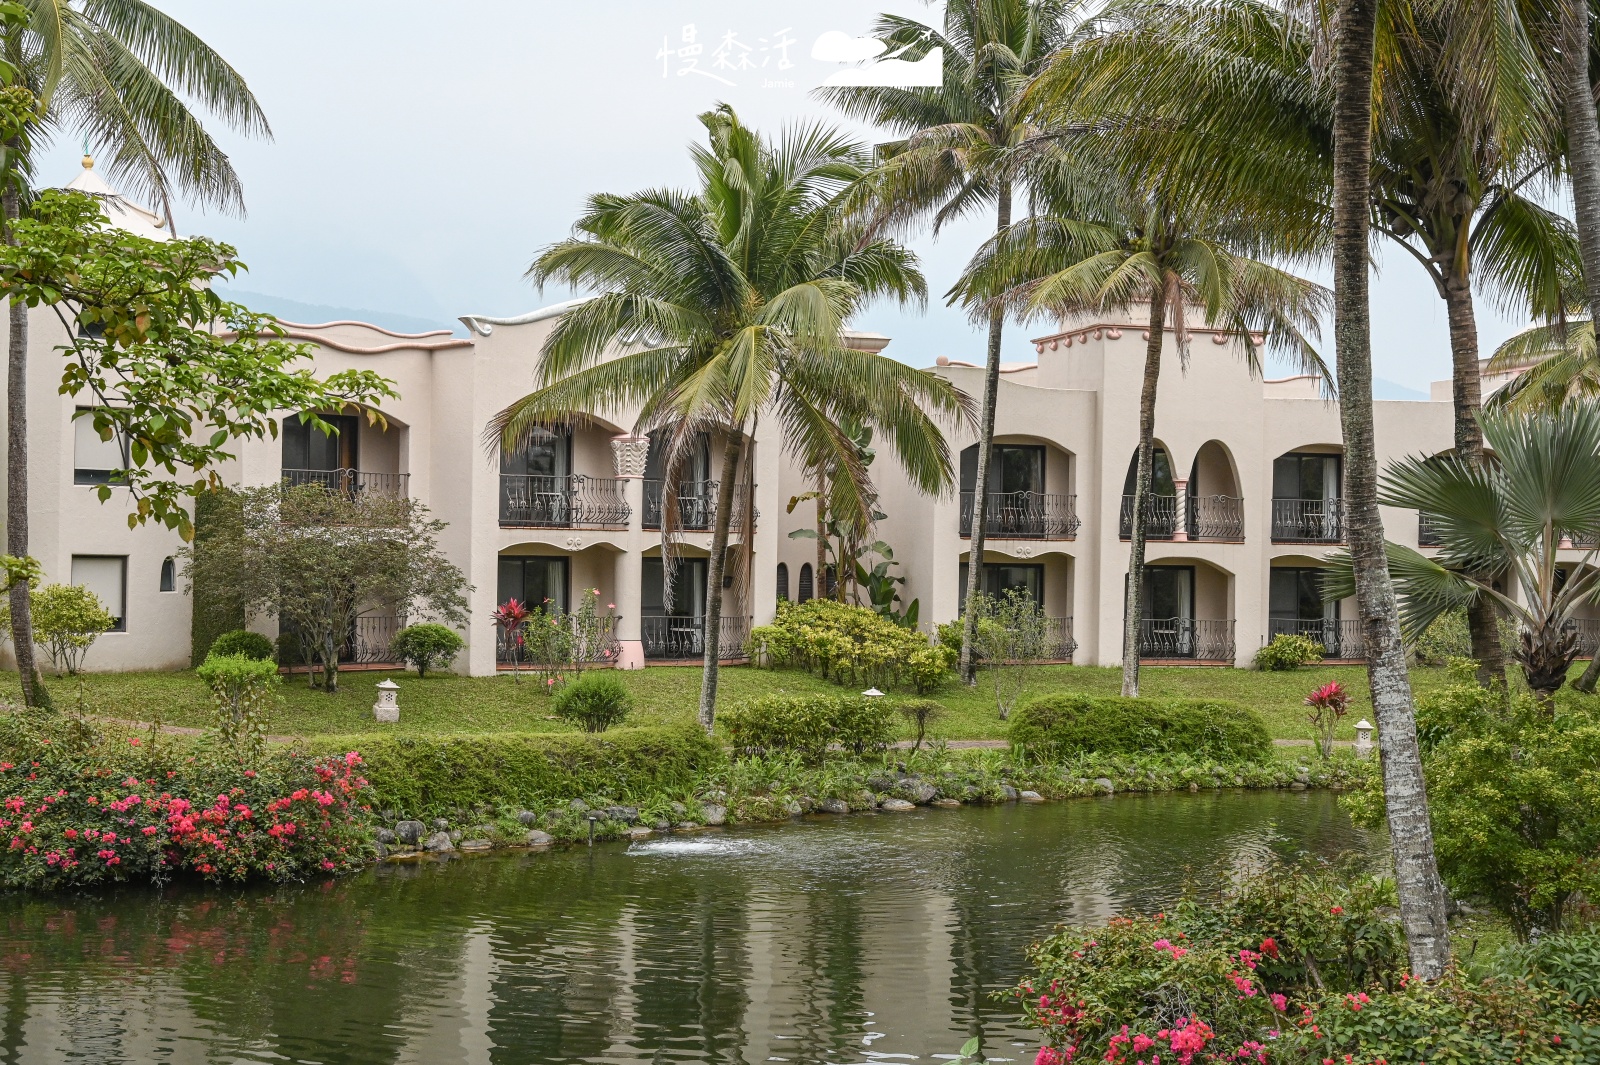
(1514, 797)
(243, 690)
(1012, 637)
(1289, 650)
(1447, 636)
(214, 610)
(246, 643)
(67, 619)
(424, 775)
(853, 646)
(190, 371)
(425, 646)
(807, 725)
(596, 701)
(1062, 726)
(1566, 961)
(920, 713)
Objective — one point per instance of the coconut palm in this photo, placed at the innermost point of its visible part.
(1512, 516)
(129, 79)
(1097, 252)
(729, 304)
(968, 145)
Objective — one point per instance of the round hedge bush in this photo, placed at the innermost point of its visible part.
(596, 701)
(1059, 727)
(251, 645)
(425, 646)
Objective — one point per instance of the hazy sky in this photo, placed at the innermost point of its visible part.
(424, 152)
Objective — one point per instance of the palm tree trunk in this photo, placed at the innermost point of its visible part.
(33, 689)
(712, 638)
(1583, 142)
(1422, 899)
(1133, 608)
(1591, 674)
(822, 530)
(980, 485)
(1467, 392)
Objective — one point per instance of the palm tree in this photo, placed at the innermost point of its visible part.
(729, 303)
(124, 75)
(1508, 516)
(1097, 252)
(968, 144)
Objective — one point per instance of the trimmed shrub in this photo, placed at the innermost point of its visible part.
(1063, 726)
(852, 646)
(426, 646)
(242, 690)
(807, 725)
(1289, 650)
(246, 643)
(595, 701)
(67, 619)
(427, 775)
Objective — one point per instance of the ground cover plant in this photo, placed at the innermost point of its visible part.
(1054, 727)
(663, 695)
(854, 646)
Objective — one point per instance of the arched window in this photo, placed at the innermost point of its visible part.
(805, 582)
(169, 575)
(783, 580)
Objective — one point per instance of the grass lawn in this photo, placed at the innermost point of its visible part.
(448, 703)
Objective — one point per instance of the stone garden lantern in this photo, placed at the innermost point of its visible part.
(387, 708)
(1363, 738)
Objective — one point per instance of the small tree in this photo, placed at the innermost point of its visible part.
(921, 713)
(319, 559)
(1013, 637)
(425, 645)
(1328, 704)
(510, 618)
(67, 619)
(243, 689)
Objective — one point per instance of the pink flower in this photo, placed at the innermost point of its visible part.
(133, 741)
(1279, 1003)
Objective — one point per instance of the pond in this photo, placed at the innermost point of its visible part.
(864, 938)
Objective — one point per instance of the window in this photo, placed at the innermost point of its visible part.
(306, 447)
(107, 577)
(1161, 482)
(548, 453)
(1296, 595)
(1000, 577)
(1309, 477)
(1168, 593)
(805, 583)
(95, 461)
(532, 579)
(1012, 468)
(783, 580)
(694, 468)
(169, 575)
(688, 588)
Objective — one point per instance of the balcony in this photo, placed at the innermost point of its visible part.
(528, 651)
(1429, 534)
(1339, 639)
(697, 505)
(1186, 638)
(1588, 630)
(1308, 521)
(366, 644)
(1059, 646)
(1160, 519)
(572, 502)
(1024, 515)
(351, 482)
(1215, 518)
(683, 638)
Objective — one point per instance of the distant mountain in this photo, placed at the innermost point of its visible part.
(317, 313)
(1382, 389)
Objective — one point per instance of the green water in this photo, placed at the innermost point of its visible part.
(837, 940)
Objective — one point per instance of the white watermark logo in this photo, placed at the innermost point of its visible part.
(836, 47)
(733, 55)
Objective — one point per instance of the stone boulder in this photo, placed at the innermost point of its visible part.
(626, 814)
(715, 814)
(1105, 786)
(409, 832)
(386, 836)
(920, 792)
(948, 804)
(440, 824)
(639, 832)
(897, 805)
(439, 843)
(1008, 793)
(834, 806)
(1030, 796)
(536, 838)
(578, 806)
(476, 845)
(526, 817)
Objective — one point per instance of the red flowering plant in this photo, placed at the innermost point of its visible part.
(509, 618)
(79, 809)
(1328, 704)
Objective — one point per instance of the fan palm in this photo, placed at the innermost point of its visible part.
(128, 78)
(1098, 252)
(1510, 515)
(730, 303)
(967, 144)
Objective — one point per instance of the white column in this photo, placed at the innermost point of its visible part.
(1180, 509)
(628, 453)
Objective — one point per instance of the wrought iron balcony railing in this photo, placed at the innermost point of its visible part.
(577, 501)
(1024, 515)
(1160, 517)
(351, 482)
(367, 643)
(1308, 521)
(1588, 630)
(1339, 639)
(697, 504)
(1202, 640)
(1057, 644)
(532, 650)
(682, 638)
(1215, 518)
(1429, 534)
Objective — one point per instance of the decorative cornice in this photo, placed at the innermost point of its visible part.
(629, 454)
(376, 349)
(367, 325)
(483, 324)
(1109, 331)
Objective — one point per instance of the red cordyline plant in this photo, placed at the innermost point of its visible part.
(509, 617)
(1328, 704)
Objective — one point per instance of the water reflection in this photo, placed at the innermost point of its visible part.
(833, 941)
